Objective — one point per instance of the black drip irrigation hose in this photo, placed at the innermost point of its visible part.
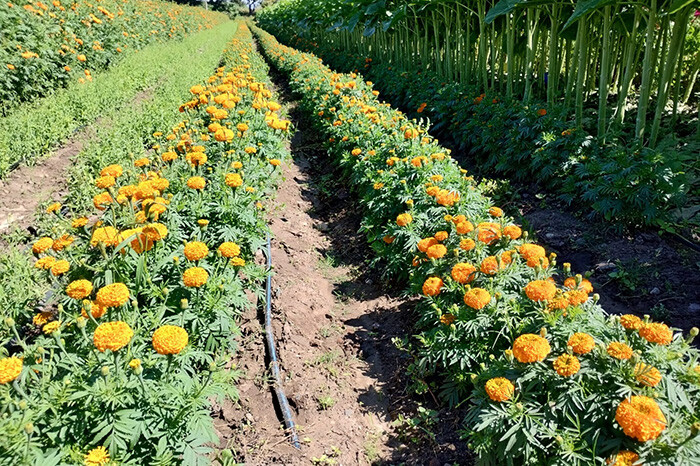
(274, 363)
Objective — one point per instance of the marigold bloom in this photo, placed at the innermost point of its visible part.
(540, 290)
(404, 219)
(79, 289)
(532, 253)
(51, 327)
(496, 211)
(155, 231)
(105, 182)
(42, 244)
(95, 309)
(512, 231)
(624, 458)
(467, 244)
(585, 284)
(79, 222)
(619, 350)
(112, 170)
(233, 180)
(463, 273)
(489, 266)
(169, 339)
(657, 333)
(196, 182)
(531, 348)
(42, 318)
(60, 267)
(63, 242)
(567, 365)
(488, 232)
(275, 162)
(477, 298)
(500, 389)
(242, 127)
(194, 277)
(631, 322)
(229, 249)
(441, 235)
(640, 418)
(464, 227)
(541, 112)
(10, 369)
(425, 243)
(447, 319)
(436, 251)
(55, 207)
(581, 343)
(97, 457)
(114, 295)
(432, 286)
(388, 239)
(196, 250)
(647, 374)
(237, 262)
(112, 336)
(108, 236)
(135, 363)
(356, 152)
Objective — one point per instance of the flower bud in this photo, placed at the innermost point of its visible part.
(22, 404)
(695, 429)
(29, 428)
(105, 371)
(596, 298)
(473, 378)
(543, 332)
(212, 367)
(9, 321)
(184, 303)
(692, 334)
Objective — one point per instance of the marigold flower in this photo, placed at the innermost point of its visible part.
(532, 253)
(500, 389)
(496, 212)
(489, 265)
(10, 369)
(388, 239)
(619, 350)
(114, 295)
(624, 458)
(61, 243)
(404, 219)
(97, 457)
(631, 322)
(488, 232)
(45, 262)
(233, 180)
(432, 286)
(356, 152)
(567, 365)
(425, 243)
(51, 327)
(647, 374)
(135, 363)
(477, 298)
(541, 112)
(196, 250)
(42, 318)
(237, 262)
(42, 244)
(640, 418)
(441, 235)
(463, 273)
(155, 231)
(447, 319)
(242, 127)
(467, 244)
(275, 162)
(436, 251)
(581, 343)
(657, 333)
(512, 231)
(79, 222)
(105, 182)
(55, 207)
(95, 309)
(585, 284)
(531, 348)
(196, 182)
(464, 227)
(229, 249)
(194, 277)
(112, 336)
(169, 339)
(108, 236)
(79, 289)
(540, 290)
(60, 267)
(112, 170)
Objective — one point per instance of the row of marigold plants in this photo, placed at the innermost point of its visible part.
(120, 364)
(50, 44)
(549, 377)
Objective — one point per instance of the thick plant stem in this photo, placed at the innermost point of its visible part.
(645, 88)
(628, 75)
(581, 71)
(603, 84)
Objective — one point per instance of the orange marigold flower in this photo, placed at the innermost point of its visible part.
(489, 266)
(464, 227)
(388, 239)
(275, 162)
(114, 295)
(585, 284)
(404, 219)
(79, 222)
(441, 235)
(196, 182)
(237, 262)
(532, 253)
(45, 262)
(105, 182)
(42, 318)
(657, 333)
(229, 249)
(142, 162)
(576, 297)
(60, 267)
(61, 243)
(79, 289)
(51, 327)
(477, 298)
(567, 365)
(581, 343)
(112, 170)
(95, 309)
(196, 250)
(10, 369)
(647, 374)
(54, 207)
(619, 350)
(233, 180)
(631, 322)
(101, 200)
(447, 198)
(467, 244)
(108, 236)
(531, 348)
(447, 319)
(425, 243)
(356, 152)
(512, 231)
(496, 211)
(432, 286)
(541, 112)
(624, 458)
(169, 339)
(194, 277)
(42, 244)
(488, 232)
(499, 389)
(436, 251)
(242, 127)
(540, 290)
(640, 418)
(155, 231)
(112, 336)
(463, 273)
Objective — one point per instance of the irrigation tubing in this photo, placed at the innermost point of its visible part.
(274, 363)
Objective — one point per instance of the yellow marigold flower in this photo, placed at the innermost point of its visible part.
(624, 458)
(250, 150)
(581, 343)
(275, 162)
(114, 295)
(531, 348)
(61, 243)
(55, 207)
(95, 309)
(236, 165)
(242, 127)
(135, 363)
(540, 290)
(112, 170)
(631, 322)
(105, 182)
(202, 222)
(168, 156)
(112, 336)
(404, 219)
(196, 182)
(42, 318)
(496, 212)
(51, 327)
(619, 350)
(229, 249)
(142, 162)
(196, 250)
(169, 339)
(640, 418)
(194, 277)
(79, 222)
(500, 389)
(567, 365)
(101, 200)
(155, 231)
(447, 319)
(512, 231)
(108, 236)
(467, 244)
(356, 152)
(79, 289)
(42, 244)
(237, 262)
(463, 273)
(97, 457)
(60, 267)
(576, 297)
(657, 333)
(233, 180)
(432, 286)
(647, 374)
(436, 251)
(45, 262)
(477, 298)
(10, 369)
